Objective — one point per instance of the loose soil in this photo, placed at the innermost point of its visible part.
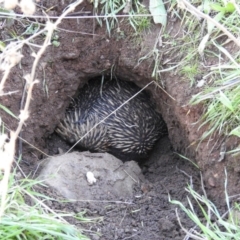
(145, 215)
(87, 51)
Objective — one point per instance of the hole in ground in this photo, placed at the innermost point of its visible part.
(150, 216)
(147, 214)
(114, 116)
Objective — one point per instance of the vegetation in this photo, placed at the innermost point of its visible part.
(208, 32)
(22, 220)
(19, 219)
(137, 14)
(209, 28)
(210, 49)
(210, 223)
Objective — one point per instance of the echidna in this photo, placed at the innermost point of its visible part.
(129, 134)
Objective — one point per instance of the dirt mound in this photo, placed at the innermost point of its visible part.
(90, 176)
(147, 214)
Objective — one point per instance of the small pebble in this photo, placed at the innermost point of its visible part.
(90, 178)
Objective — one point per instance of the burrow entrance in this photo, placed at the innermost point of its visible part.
(144, 214)
(84, 54)
(112, 115)
(147, 213)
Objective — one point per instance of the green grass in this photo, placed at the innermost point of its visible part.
(109, 10)
(222, 114)
(190, 71)
(189, 55)
(22, 220)
(221, 97)
(203, 49)
(24, 214)
(143, 23)
(213, 224)
(209, 50)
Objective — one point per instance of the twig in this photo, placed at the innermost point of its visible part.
(190, 177)
(9, 148)
(113, 112)
(205, 195)
(21, 107)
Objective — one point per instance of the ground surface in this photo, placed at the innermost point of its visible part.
(87, 51)
(148, 213)
(84, 175)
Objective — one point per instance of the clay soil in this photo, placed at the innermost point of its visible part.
(86, 51)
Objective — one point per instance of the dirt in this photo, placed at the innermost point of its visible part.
(147, 214)
(84, 175)
(87, 51)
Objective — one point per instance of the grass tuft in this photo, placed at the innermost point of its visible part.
(212, 224)
(22, 220)
(109, 9)
(206, 50)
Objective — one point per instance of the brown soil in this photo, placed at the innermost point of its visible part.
(145, 215)
(85, 52)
